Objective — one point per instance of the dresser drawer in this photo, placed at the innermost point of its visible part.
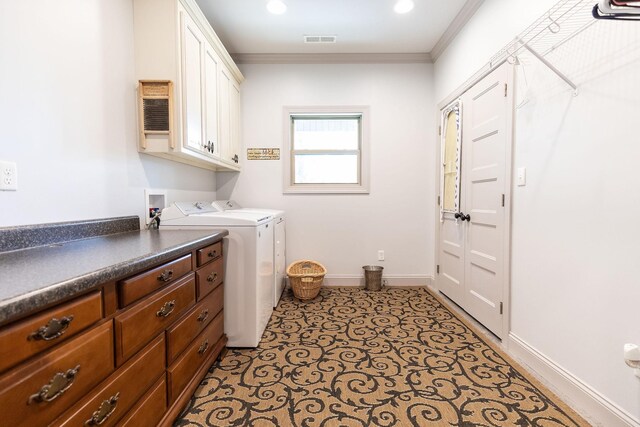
(186, 329)
(113, 398)
(209, 253)
(37, 333)
(142, 321)
(37, 392)
(182, 370)
(209, 277)
(134, 288)
(150, 408)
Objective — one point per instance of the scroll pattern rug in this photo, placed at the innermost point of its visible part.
(397, 357)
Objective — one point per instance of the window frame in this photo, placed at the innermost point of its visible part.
(362, 187)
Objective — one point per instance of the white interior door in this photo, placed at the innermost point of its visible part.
(475, 183)
(486, 139)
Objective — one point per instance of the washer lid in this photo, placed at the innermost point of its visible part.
(226, 205)
(190, 208)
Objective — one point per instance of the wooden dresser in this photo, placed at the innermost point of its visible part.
(130, 352)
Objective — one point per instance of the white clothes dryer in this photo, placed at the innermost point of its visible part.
(279, 242)
(249, 270)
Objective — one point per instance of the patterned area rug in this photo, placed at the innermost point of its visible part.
(397, 357)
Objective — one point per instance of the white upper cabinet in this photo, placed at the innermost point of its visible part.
(174, 41)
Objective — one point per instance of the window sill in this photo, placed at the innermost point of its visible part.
(326, 189)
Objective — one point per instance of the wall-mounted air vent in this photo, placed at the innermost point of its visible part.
(319, 39)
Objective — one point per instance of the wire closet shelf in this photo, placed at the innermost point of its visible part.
(564, 21)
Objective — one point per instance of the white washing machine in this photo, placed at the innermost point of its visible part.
(249, 271)
(279, 242)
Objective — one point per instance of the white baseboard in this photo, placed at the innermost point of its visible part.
(583, 398)
(399, 280)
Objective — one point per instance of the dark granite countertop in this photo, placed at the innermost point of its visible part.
(38, 277)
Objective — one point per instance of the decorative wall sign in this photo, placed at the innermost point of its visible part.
(263, 154)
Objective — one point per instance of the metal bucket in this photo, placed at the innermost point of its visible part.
(373, 277)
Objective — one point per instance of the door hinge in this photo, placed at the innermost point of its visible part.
(438, 268)
(438, 200)
(439, 130)
(503, 200)
(505, 90)
(500, 307)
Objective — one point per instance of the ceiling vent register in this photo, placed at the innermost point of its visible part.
(319, 39)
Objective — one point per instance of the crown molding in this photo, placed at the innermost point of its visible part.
(331, 58)
(467, 11)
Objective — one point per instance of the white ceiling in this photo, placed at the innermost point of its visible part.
(361, 26)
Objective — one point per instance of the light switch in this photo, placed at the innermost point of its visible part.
(522, 177)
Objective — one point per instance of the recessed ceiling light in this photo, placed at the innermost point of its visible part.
(403, 6)
(277, 7)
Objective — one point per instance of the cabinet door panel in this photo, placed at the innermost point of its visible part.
(225, 115)
(211, 66)
(192, 51)
(235, 123)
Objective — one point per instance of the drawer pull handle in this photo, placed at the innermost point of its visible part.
(204, 315)
(212, 277)
(212, 254)
(104, 411)
(52, 330)
(166, 276)
(56, 387)
(203, 347)
(167, 309)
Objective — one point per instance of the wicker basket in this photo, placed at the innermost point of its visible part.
(306, 278)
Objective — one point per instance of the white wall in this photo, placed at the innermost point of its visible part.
(575, 237)
(344, 232)
(68, 116)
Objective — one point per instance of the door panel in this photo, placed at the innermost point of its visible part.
(192, 48)
(211, 82)
(225, 114)
(484, 160)
(451, 278)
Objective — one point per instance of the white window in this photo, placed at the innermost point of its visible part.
(326, 150)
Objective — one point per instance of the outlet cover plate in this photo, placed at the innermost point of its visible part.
(8, 176)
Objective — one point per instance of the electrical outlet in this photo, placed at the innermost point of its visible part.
(380, 255)
(8, 176)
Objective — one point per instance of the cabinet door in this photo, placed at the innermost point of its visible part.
(211, 70)
(235, 123)
(225, 114)
(192, 82)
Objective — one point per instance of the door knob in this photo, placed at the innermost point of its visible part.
(466, 217)
(458, 215)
